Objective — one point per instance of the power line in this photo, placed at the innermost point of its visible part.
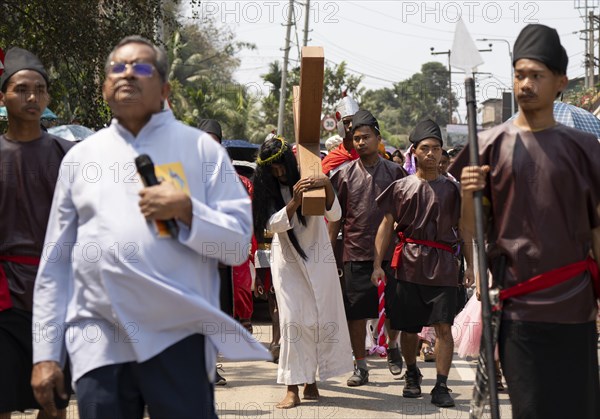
(370, 59)
(432, 29)
(363, 74)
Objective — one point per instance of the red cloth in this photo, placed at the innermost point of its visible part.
(381, 338)
(247, 184)
(555, 277)
(5, 301)
(243, 304)
(397, 258)
(337, 157)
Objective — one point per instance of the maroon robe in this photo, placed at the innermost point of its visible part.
(357, 187)
(544, 191)
(425, 210)
(28, 174)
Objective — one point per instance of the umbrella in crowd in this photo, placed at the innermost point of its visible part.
(576, 117)
(241, 149)
(73, 133)
(47, 114)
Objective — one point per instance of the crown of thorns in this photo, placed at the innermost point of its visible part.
(275, 156)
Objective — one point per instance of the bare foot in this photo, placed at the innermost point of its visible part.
(290, 400)
(311, 392)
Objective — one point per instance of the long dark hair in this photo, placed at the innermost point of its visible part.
(267, 195)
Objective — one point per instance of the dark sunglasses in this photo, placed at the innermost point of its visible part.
(139, 69)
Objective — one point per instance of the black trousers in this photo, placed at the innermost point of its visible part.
(173, 384)
(16, 355)
(551, 369)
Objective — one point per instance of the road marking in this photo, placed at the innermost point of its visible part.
(465, 369)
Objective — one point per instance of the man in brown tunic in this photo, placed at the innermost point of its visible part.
(425, 209)
(541, 183)
(29, 162)
(357, 185)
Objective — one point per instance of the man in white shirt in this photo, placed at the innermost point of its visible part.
(139, 313)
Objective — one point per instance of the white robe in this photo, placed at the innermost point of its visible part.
(314, 331)
(109, 291)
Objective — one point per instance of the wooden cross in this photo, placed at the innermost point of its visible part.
(308, 99)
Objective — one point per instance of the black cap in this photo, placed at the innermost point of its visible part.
(541, 43)
(18, 59)
(426, 129)
(212, 127)
(364, 117)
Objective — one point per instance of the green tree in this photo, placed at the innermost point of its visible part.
(203, 61)
(424, 94)
(335, 80)
(73, 39)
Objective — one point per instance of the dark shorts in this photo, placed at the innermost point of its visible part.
(226, 289)
(551, 369)
(360, 295)
(173, 384)
(16, 363)
(422, 305)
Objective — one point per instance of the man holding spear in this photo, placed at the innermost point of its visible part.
(541, 187)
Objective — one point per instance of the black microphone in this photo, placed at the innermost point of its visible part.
(145, 168)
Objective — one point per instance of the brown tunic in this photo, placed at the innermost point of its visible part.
(544, 189)
(425, 211)
(28, 174)
(357, 187)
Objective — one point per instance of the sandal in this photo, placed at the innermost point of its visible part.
(427, 354)
(247, 324)
(274, 349)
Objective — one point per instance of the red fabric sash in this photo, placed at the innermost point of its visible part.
(555, 277)
(5, 301)
(397, 259)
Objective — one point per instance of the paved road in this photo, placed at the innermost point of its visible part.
(251, 392)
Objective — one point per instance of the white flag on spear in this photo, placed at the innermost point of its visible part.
(466, 57)
(465, 54)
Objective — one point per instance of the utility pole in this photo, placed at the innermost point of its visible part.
(448, 53)
(512, 70)
(306, 20)
(286, 54)
(592, 61)
(159, 27)
(596, 19)
(587, 48)
(588, 9)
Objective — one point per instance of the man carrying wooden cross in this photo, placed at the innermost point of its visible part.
(311, 314)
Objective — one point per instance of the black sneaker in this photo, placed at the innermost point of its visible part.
(219, 380)
(440, 396)
(499, 384)
(412, 385)
(359, 378)
(394, 361)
